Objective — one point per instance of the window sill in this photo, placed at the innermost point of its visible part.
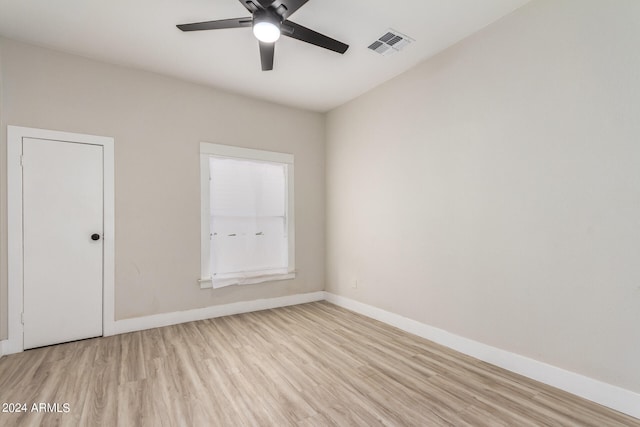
(221, 282)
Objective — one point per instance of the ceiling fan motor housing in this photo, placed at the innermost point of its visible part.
(269, 16)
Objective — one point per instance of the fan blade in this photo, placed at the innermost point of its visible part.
(267, 51)
(293, 30)
(291, 6)
(217, 25)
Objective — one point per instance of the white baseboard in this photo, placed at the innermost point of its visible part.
(173, 318)
(619, 399)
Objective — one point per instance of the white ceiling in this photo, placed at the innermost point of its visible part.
(142, 34)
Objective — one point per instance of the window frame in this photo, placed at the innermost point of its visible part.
(208, 150)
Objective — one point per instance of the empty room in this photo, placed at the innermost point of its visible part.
(320, 213)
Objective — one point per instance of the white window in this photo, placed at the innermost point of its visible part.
(247, 216)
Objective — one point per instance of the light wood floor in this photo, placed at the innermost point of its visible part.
(308, 365)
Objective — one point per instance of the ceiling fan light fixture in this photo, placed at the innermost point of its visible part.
(265, 29)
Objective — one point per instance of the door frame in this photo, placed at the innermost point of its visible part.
(15, 134)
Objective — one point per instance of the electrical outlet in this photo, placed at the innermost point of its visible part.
(354, 284)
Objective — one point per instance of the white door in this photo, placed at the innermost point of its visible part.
(62, 238)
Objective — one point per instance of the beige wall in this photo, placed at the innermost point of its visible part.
(158, 123)
(494, 191)
(3, 221)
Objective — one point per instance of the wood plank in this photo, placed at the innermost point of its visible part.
(308, 365)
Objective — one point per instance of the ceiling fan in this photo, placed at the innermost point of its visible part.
(269, 21)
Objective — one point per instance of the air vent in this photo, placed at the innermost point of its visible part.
(390, 42)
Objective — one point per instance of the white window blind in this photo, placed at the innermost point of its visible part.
(249, 210)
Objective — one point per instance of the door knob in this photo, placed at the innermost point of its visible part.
(95, 236)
